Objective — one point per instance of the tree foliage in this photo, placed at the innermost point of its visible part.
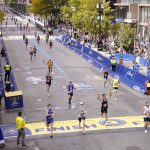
(1, 15)
(83, 14)
(128, 38)
(47, 7)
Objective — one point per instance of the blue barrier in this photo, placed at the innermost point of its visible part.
(12, 78)
(148, 73)
(130, 77)
(2, 141)
(130, 58)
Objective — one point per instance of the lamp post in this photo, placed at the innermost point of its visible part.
(121, 39)
(99, 12)
(121, 45)
(135, 39)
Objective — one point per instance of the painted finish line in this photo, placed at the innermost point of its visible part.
(72, 126)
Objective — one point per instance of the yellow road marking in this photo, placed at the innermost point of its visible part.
(91, 125)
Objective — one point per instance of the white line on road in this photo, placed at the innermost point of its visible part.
(62, 54)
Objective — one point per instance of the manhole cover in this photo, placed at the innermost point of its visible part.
(133, 148)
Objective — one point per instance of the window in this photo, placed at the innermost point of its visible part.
(144, 14)
(135, 1)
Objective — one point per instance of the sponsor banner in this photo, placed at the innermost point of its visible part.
(69, 126)
(130, 77)
(130, 58)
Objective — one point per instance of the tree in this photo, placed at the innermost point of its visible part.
(1, 15)
(128, 38)
(46, 7)
(82, 14)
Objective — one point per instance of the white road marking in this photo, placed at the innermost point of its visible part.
(29, 72)
(16, 69)
(39, 100)
(62, 54)
(35, 82)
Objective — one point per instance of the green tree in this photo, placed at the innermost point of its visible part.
(47, 7)
(1, 15)
(82, 14)
(128, 38)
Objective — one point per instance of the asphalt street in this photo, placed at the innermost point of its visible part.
(30, 77)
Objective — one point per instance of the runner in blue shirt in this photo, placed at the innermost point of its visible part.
(50, 118)
(70, 87)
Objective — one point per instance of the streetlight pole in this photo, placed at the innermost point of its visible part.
(121, 45)
(135, 39)
(99, 12)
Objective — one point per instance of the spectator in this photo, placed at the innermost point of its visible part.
(3, 52)
(147, 85)
(7, 69)
(136, 67)
(8, 86)
(113, 62)
(148, 72)
(20, 124)
(138, 59)
(1, 95)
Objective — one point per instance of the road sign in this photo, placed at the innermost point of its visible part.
(121, 20)
(129, 15)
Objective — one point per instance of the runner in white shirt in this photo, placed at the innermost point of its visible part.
(146, 113)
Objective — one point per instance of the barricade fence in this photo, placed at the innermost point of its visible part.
(131, 78)
(12, 78)
(130, 58)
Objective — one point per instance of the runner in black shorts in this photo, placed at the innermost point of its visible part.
(105, 76)
(48, 83)
(26, 42)
(146, 113)
(34, 51)
(104, 105)
(81, 116)
(50, 44)
(70, 87)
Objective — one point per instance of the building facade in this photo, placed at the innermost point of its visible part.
(136, 10)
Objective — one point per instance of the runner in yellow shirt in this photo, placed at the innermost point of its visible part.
(50, 65)
(115, 84)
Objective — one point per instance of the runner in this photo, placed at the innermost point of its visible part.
(31, 52)
(24, 36)
(50, 65)
(48, 82)
(35, 35)
(146, 113)
(50, 119)
(70, 87)
(26, 42)
(105, 73)
(47, 38)
(50, 44)
(104, 106)
(115, 84)
(34, 51)
(82, 116)
(38, 39)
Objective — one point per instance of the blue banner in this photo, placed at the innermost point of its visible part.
(132, 78)
(130, 58)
